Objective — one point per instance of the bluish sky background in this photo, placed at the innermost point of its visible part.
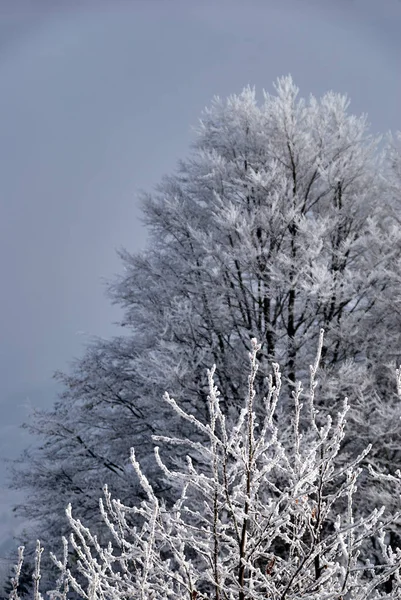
(97, 100)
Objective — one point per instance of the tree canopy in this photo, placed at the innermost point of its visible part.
(282, 220)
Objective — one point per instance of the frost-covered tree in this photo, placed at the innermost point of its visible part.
(275, 516)
(281, 221)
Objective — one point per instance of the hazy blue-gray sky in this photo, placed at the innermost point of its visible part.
(97, 100)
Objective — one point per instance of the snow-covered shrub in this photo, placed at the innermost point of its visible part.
(260, 514)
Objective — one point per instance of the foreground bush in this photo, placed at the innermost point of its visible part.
(273, 516)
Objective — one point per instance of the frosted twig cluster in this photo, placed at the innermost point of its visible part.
(253, 520)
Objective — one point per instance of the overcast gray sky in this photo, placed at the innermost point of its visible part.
(97, 100)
